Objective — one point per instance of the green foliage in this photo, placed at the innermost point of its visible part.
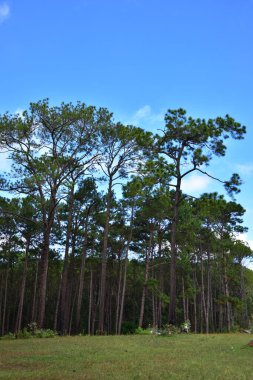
(186, 326)
(8, 336)
(31, 331)
(128, 328)
(141, 331)
(169, 330)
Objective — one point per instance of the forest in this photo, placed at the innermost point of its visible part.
(97, 235)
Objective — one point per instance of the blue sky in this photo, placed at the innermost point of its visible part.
(138, 58)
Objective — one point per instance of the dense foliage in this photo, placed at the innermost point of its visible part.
(97, 235)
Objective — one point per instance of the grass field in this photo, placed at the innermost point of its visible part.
(224, 356)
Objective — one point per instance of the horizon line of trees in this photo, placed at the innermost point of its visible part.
(76, 259)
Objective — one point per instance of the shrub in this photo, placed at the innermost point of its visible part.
(8, 336)
(169, 329)
(24, 334)
(186, 326)
(44, 333)
(128, 328)
(142, 331)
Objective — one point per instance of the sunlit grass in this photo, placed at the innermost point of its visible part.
(224, 356)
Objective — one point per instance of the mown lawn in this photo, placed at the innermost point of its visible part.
(224, 356)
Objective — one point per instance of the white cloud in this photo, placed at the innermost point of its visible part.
(244, 237)
(5, 163)
(146, 118)
(4, 12)
(248, 262)
(245, 169)
(195, 183)
(142, 113)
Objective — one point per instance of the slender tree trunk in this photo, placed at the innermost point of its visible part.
(184, 301)
(244, 313)
(208, 293)
(57, 304)
(125, 272)
(228, 305)
(64, 280)
(43, 265)
(1, 298)
(71, 289)
(22, 290)
(34, 303)
(118, 298)
(5, 299)
(42, 279)
(203, 297)
(161, 278)
(146, 275)
(90, 302)
(104, 261)
(173, 277)
(81, 277)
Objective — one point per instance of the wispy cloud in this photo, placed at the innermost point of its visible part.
(5, 163)
(244, 237)
(245, 169)
(145, 117)
(195, 183)
(4, 12)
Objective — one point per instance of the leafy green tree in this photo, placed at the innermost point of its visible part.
(190, 144)
(122, 149)
(46, 145)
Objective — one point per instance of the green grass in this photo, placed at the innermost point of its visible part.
(224, 356)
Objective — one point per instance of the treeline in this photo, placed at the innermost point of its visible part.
(101, 238)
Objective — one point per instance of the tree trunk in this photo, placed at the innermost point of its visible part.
(81, 277)
(184, 300)
(64, 280)
(228, 304)
(43, 265)
(104, 261)
(90, 302)
(118, 298)
(173, 277)
(125, 272)
(22, 290)
(57, 304)
(5, 298)
(34, 303)
(145, 279)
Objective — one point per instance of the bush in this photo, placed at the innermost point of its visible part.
(24, 334)
(128, 328)
(169, 330)
(186, 326)
(8, 336)
(45, 333)
(141, 331)
(31, 331)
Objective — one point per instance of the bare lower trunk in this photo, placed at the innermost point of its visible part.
(64, 277)
(35, 292)
(81, 277)
(22, 290)
(5, 300)
(90, 302)
(125, 272)
(228, 304)
(57, 304)
(104, 262)
(184, 300)
(146, 275)
(42, 280)
(118, 299)
(173, 277)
